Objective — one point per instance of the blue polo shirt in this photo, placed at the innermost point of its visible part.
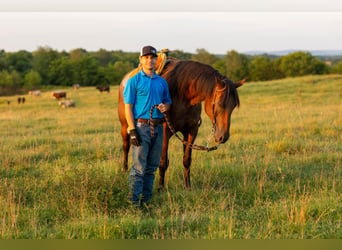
(143, 92)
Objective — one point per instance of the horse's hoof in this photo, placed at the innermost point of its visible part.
(161, 189)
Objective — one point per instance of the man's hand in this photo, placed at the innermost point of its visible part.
(163, 107)
(134, 137)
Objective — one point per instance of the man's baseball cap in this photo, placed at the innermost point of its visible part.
(148, 50)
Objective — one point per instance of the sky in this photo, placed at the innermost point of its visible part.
(217, 26)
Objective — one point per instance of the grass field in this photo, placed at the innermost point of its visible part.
(278, 177)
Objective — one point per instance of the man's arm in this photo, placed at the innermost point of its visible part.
(134, 136)
(129, 116)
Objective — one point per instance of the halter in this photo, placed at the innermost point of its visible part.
(213, 106)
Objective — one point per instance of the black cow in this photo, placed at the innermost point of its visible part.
(103, 88)
(21, 100)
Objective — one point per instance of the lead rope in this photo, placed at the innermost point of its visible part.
(191, 145)
(151, 123)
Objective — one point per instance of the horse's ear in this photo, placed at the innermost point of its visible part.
(239, 84)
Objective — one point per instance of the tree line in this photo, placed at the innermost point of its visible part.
(23, 70)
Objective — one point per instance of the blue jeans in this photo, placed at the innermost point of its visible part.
(146, 160)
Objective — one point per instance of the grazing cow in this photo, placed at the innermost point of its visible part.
(76, 86)
(103, 88)
(34, 93)
(21, 100)
(67, 103)
(59, 94)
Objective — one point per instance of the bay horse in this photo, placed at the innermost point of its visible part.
(190, 83)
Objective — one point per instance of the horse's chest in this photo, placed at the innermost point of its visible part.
(187, 121)
(185, 116)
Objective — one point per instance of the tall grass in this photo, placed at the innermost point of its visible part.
(278, 176)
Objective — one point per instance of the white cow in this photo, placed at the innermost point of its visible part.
(67, 103)
(34, 92)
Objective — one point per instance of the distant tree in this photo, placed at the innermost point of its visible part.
(337, 68)
(10, 82)
(47, 66)
(42, 59)
(220, 66)
(103, 56)
(6, 79)
(300, 64)
(261, 68)
(115, 72)
(61, 72)
(77, 54)
(179, 54)
(236, 65)
(20, 61)
(320, 67)
(3, 60)
(278, 72)
(86, 71)
(18, 80)
(204, 56)
(32, 80)
(120, 69)
(130, 57)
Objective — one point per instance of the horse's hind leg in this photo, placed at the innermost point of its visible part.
(125, 147)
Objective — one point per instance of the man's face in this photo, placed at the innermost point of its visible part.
(148, 62)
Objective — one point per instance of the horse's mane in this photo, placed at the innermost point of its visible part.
(185, 75)
(233, 91)
(182, 75)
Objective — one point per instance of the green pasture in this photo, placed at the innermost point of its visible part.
(278, 177)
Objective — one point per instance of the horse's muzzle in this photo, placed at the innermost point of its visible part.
(222, 139)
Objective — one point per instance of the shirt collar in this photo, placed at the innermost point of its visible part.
(144, 74)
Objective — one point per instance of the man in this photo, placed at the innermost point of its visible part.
(143, 91)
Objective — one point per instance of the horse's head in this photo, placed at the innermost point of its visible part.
(220, 106)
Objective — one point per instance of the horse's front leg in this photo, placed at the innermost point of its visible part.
(190, 138)
(164, 161)
(187, 164)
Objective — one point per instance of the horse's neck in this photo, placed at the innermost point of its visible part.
(197, 99)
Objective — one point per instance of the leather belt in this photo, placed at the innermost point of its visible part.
(154, 122)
